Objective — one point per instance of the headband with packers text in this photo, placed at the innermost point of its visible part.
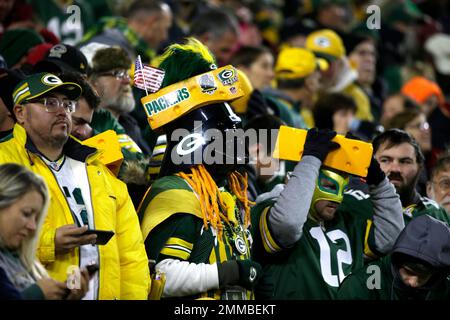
(174, 101)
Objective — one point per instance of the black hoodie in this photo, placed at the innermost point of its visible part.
(426, 239)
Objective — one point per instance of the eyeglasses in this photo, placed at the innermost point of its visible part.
(419, 126)
(118, 74)
(52, 104)
(444, 185)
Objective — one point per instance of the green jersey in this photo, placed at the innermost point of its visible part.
(68, 22)
(426, 206)
(324, 255)
(173, 228)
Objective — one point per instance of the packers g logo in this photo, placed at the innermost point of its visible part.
(323, 42)
(185, 146)
(227, 76)
(51, 79)
(240, 245)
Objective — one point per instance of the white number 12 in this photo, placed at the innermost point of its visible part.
(343, 256)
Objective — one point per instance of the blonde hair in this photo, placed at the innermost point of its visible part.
(15, 182)
(212, 200)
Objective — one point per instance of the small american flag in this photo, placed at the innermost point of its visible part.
(146, 77)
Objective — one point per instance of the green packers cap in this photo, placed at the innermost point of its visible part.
(38, 84)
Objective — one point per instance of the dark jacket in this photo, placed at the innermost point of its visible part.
(424, 238)
(427, 239)
(7, 290)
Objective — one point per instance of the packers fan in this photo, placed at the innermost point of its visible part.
(195, 218)
(334, 234)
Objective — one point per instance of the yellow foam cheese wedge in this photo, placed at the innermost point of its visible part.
(352, 157)
(107, 142)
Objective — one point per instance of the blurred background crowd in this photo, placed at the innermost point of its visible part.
(381, 68)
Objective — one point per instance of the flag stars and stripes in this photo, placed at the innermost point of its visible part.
(147, 78)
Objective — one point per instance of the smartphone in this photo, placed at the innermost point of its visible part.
(103, 236)
(93, 268)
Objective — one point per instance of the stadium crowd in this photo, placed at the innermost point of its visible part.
(95, 203)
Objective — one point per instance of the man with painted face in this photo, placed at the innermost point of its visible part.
(402, 160)
(334, 234)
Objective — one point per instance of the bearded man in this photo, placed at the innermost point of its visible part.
(111, 80)
(402, 160)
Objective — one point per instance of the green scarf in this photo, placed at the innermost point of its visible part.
(140, 46)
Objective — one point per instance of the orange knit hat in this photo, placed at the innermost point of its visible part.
(420, 89)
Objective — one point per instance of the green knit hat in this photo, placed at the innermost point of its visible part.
(15, 44)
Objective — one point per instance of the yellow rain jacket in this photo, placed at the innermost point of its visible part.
(124, 272)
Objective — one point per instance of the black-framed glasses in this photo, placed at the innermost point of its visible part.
(52, 104)
(118, 74)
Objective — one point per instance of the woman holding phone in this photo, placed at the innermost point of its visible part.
(23, 204)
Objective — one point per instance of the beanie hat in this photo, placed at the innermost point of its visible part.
(38, 53)
(107, 59)
(15, 44)
(420, 89)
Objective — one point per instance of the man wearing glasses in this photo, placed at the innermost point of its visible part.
(110, 78)
(438, 188)
(85, 194)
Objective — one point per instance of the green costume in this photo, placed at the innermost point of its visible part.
(175, 229)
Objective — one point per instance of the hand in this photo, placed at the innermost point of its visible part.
(78, 294)
(249, 273)
(52, 289)
(375, 175)
(244, 273)
(318, 143)
(69, 237)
